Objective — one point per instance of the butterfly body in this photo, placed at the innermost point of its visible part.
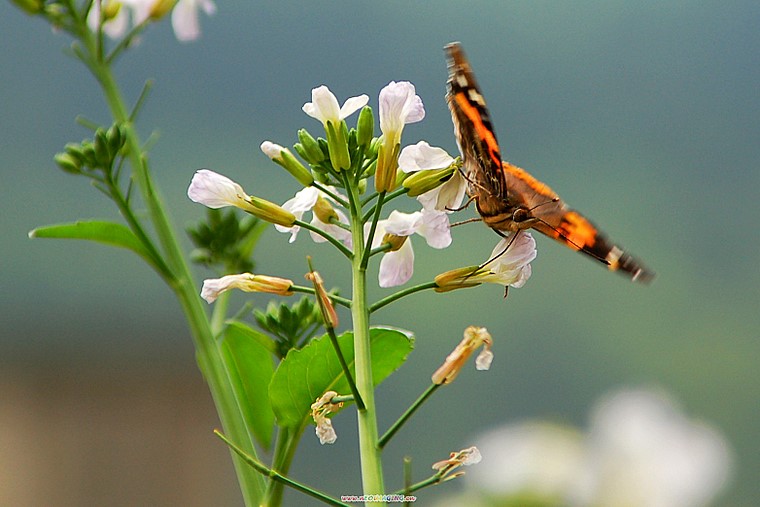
(507, 197)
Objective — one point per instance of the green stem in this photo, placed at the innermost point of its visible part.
(406, 415)
(276, 476)
(346, 371)
(340, 246)
(370, 453)
(285, 450)
(398, 295)
(309, 290)
(208, 355)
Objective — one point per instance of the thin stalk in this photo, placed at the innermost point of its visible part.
(285, 450)
(276, 476)
(406, 415)
(208, 355)
(340, 246)
(398, 295)
(334, 298)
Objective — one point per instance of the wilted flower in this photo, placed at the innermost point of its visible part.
(397, 265)
(313, 199)
(474, 338)
(320, 409)
(465, 457)
(185, 18)
(247, 282)
(399, 105)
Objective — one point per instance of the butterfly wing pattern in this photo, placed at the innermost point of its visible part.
(507, 197)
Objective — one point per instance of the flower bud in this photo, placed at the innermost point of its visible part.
(329, 315)
(30, 6)
(312, 152)
(110, 9)
(283, 157)
(365, 126)
(102, 153)
(67, 163)
(337, 143)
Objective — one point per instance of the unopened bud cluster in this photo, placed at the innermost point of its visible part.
(98, 153)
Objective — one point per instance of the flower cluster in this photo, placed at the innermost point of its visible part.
(334, 177)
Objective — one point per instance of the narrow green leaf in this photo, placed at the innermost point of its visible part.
(250, 367)
(108, 233)
(305, 374)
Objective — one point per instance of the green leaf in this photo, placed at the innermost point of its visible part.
(250, 367)
(305, 374)
(108, 233)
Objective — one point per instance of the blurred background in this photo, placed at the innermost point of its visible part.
(645, 116)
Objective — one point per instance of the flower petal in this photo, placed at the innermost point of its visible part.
(399, 105)
(323, 106)
(396, 268)
(352, 105)
(403, 224)
(435, 228)
(422, 156)
(214, 190)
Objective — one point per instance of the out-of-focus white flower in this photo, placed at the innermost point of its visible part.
(423, 157)
(306, 200)
(185, 18)
(642, 450)
(118, 14)
(397, 265)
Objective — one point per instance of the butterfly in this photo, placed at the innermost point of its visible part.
(508, 198)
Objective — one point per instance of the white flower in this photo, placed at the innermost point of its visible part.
(532, 457)
(247, 282)
(215, 191)
(185, 18)
(399, 105)
(643, 451)
(474, 338)
(396, 267)
(324, 106)
(115, 26)
(511, 267)
(423, 157)
(304, 201)
(184, 15)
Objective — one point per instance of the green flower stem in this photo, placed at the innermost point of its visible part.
(276, 476)
(430, 481)
(370, 453)
(285, 450)
(309, 290)
(387, 198)
(332, 194)
(342, 360)
(208, 355)
(406, 415)
(372, 229)
(398, 295)
(340, 246)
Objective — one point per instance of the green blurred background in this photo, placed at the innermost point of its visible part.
(643, 115)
